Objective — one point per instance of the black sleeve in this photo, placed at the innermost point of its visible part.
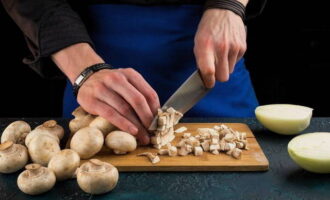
(48, 26)
(254, 8)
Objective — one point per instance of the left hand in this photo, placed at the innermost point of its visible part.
(220, 42)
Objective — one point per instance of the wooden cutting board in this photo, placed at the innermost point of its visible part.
(252, 160)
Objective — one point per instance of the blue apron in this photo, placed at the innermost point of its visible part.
(158, 41)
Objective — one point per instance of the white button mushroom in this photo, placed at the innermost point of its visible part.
(120, 142)
(42, 147)
(36, 179)
(52, 127)
(13, 157)
(64, 164)
(87, 142)
(16, 132)
(82, 119)
(103, 125)
(97, 177)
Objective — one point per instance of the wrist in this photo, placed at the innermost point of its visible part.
(235, 6)
(75, 59)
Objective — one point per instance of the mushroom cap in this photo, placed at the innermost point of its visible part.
(37, 132)
(82, 119)
(121, 141)
(53, 128)
(13, 157)
(103, 125)
(16, 132)
(42, 148)
(64, 164)
(36, 179)
(97, 177)
(87, 142)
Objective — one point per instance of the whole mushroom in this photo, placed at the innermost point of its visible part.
(13, 157)
(120, 142)
(103, 125)
(97, 177)
(64, 164)
(52, 127)
(36, 179)
(87, 142)
(82, 119)
(16, 132)
(42, 146)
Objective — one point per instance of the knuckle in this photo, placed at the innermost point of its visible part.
(116, 77)
(125, 110)
(138, 101)
(153, 97)
(209, 71)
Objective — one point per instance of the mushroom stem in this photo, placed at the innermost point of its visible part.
(6, 145)
(34, 169)
(50, 124)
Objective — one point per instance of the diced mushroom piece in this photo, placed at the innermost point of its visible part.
(214, 141)
(189, 148)
(230, 137)
(152, 157)
(231, 148)
(186, 135)
(215, 152)
(181, 143)
(193, 141)
(243, 136)
(173, 151)
(206, 145)
(163, 152)
(236, 153)
(182, 151)
(240, 145)
(181, 129)
(222, 145)
(214, 147)
(198, 151)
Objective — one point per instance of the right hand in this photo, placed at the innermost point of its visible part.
(123, 97)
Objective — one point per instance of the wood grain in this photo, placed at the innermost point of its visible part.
(252, 160)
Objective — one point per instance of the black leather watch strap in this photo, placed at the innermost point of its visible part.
(84, 75)
(232, 5)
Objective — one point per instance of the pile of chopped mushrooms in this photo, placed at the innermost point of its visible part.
(218, 139)
(39, 151)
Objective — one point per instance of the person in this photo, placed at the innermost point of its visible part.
(153, 46)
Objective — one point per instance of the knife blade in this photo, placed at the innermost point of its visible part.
(185, 97)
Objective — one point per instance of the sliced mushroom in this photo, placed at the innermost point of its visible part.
(36, 179)
(13, 157)
(97, 177)
(152, 157)
(16, 132)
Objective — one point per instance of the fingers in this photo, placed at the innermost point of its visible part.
(120, 105)
(205, 62)
(232, 59)
(108, 112)
(141, 85)
(127, 91)
(221, 65)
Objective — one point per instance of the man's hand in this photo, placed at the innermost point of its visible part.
(220, 42)
(121, 96)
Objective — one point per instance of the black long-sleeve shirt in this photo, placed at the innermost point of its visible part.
(51, 25)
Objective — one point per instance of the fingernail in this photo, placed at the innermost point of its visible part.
(133, 130)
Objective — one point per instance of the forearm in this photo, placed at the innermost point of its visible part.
(75, 58)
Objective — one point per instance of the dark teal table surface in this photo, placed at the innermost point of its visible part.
(284, 180)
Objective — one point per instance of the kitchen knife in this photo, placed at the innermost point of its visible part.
(184, 98)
